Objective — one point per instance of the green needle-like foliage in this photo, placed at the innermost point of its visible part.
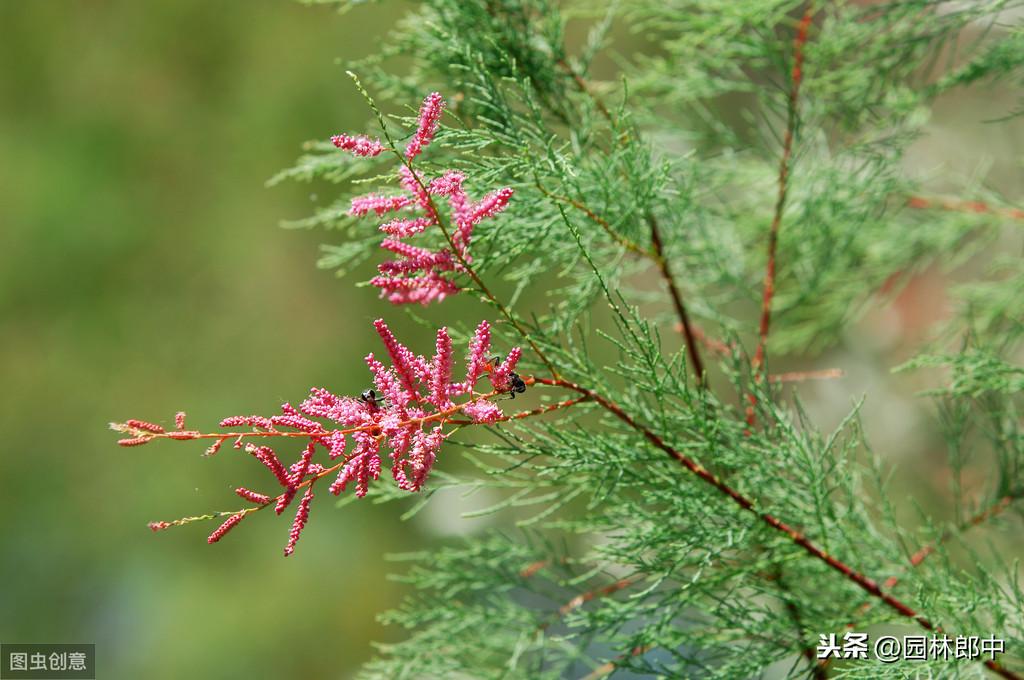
(648, 157)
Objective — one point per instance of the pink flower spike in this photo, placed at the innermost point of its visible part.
(491, 204)
(483, 411)
(359, 146)
(500, 374)
(442, 371)
(159, 526)
(336, 445)
(285, 499)
(411, 181)
(479, 346)
(301, 516)
(430, 114)
(303, 465)
(402, 228)
(403, 360)
(252, 496)
(361, 205)
(419, 290)
(447, 184)
(179, 420)
(469, 216)
(364, 465)
(421, 460)
(214, 447)
(144, 426)
(266, 455)
(228, 525)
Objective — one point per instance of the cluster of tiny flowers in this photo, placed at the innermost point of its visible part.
(420, 275)
(402, 417)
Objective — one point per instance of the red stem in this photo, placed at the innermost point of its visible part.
(677, 300)
(780, 202)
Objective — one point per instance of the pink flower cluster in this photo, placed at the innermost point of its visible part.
(404, 416)
(420, 275)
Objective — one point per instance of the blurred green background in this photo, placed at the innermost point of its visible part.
(142, 271)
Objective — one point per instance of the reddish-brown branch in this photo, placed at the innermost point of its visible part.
(604, 591)
(925, 551)
(526, 414)
(749, 505)
(796, 79)
(585, 89)
(583, 598)
(597, 219)
(677, 299)
(978, 207)
(713, 345)
(800, 376)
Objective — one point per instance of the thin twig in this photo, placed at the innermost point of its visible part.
(585, 89)
(677, 300)
(800, 376)
(978, 207)
(922, 553)
(780, 202)
(597, 219)
(658, 254)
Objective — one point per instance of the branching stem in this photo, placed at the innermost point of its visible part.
(750, 505)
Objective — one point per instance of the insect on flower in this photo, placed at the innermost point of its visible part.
(370, 398)
(513, 383)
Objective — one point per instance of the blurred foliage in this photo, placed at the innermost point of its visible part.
(142, 270)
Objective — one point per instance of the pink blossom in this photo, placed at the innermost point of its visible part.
(252, 496)
(145, 426)
(361, 205)
(483, 411)
(476, 363)
(425, 276)
(224, 528)
(249, 421)
(501, 373)
(419, 461)
(424, 289)
(403, 228)
(407, 412)
(296, 476)
(266, 455)
(408, 367)
(360, 145)
(430, 114)
(447, 184)
(363, 466)
(442, 368)
(301, 516)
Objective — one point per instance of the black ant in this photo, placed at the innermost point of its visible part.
(516, 384)
(370, 398)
